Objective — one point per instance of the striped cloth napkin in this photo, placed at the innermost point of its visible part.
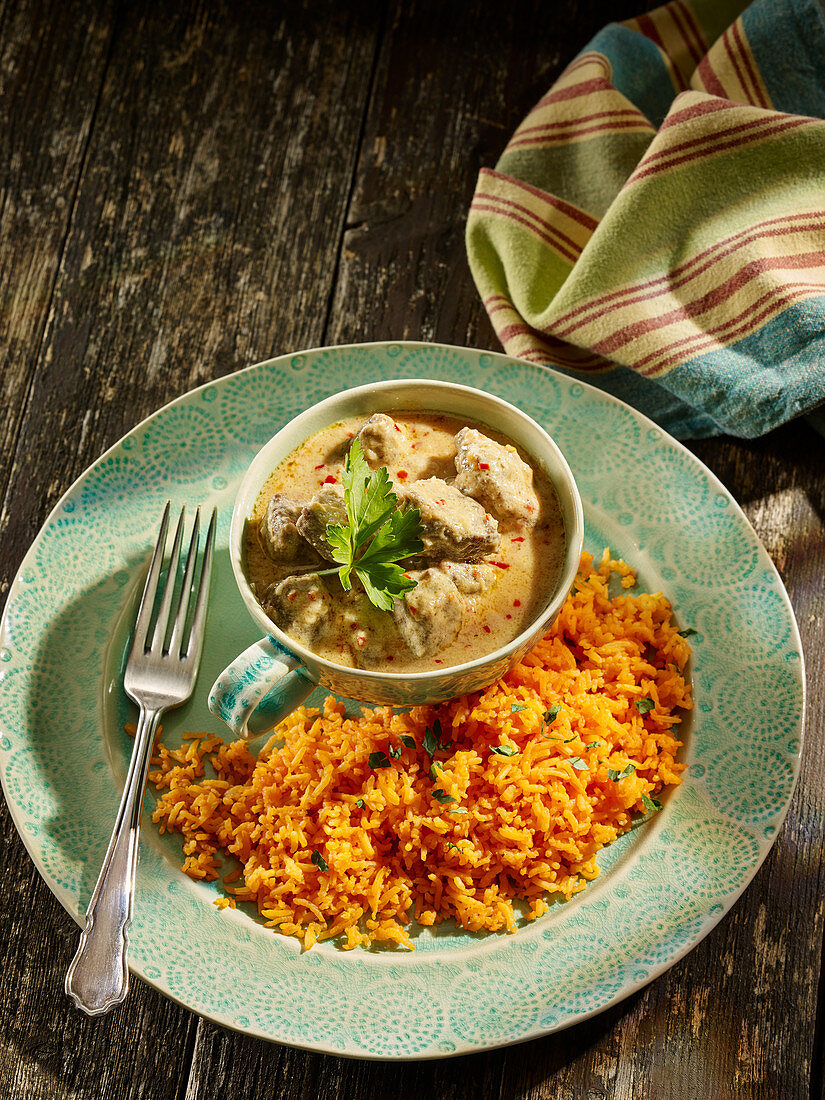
(656, 224)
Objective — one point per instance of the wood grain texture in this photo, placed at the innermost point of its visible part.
(189, 188)
(51, 70)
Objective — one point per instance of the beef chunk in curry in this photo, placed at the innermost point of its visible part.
(497, 476)
(469, 578)
(429, 617)
(326, 507)
(367, 632)
(280, 538)
(455, 526)
(382, 441)
(300, 606)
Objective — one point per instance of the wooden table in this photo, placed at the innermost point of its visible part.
(189, 190)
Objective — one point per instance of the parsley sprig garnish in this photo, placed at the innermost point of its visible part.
(434, 739)
(377, 535)
(615, 775)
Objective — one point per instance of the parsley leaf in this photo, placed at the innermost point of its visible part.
(458, 810)
(651, 803)
(434, 739)
(377, 535)
(644, 705)
(579, 764)
(516, 707)
(434, 772)
(688, 633)
(408, 741)
(505, 750)
(623, 774)
(378, 760)
(552, 714)
(319, 860)
(360, 803)
(442, 796)
(431, 741)
(594, 744)
(394, 752)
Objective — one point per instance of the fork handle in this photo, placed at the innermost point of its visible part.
(98, 977)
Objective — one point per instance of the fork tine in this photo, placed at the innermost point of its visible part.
(150, 588)
(195, 643)
(169, 588)
(186, 590)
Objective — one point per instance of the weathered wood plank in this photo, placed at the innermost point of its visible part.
(208, 217)
(51, 70)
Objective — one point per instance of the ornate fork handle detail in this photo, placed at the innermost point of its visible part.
(98, 977)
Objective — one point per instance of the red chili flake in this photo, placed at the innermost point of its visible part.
(320, 466)
(516, 603)
(438, 661)
(402, 474)
(291, 596)
(484, 465)
(350, 435)
(396, 427)
(390, 657)
(509, 616)
(517, 538)
(500, 564)
(311, 595)
(486, 628)
(330, 480)
(529, 507)
(353, 626)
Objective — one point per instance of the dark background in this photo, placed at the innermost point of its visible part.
(188, 189)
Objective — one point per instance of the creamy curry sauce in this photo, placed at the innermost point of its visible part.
(522, 570)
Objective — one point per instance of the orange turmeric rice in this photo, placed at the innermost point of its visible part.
(352, 826)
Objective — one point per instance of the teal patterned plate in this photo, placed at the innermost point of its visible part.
(663, 886)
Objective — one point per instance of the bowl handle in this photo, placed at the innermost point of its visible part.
(260, 688)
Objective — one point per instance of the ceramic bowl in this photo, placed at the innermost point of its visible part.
(263, 671)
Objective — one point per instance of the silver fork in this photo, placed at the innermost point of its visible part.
(157, 677)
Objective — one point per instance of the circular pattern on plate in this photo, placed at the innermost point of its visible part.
(181, 445)
(108, 492)
(487, 1008)
(750, 782)
(663, 885)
